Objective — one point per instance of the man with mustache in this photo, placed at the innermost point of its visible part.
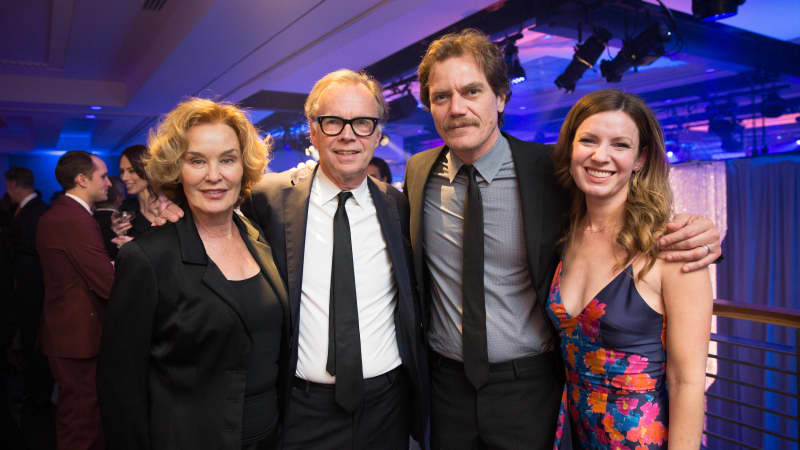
(486, 216)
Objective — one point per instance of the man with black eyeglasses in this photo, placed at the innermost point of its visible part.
(357, 374)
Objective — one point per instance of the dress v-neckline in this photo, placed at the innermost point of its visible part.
(593, 298)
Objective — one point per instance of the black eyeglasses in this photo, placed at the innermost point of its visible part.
(361, 126)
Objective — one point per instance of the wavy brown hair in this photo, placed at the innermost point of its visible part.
(649, 204)
(472, 42)
(168, 144)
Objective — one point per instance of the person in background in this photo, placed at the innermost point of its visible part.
(379, 170)
(77, 282)
(104, 210)
(143, 206)
(27, 295)
(195, 330)
(486, 217)
(616, 304)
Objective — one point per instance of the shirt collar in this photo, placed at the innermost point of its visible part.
(487, 165)
(80, 201)
(327, 190)
(27, 198)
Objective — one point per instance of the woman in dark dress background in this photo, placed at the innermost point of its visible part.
(144, 202)
(194, 329)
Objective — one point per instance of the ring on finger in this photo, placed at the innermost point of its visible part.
(708, 249)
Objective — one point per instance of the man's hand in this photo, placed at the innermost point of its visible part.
(167, 211)
(693, 239)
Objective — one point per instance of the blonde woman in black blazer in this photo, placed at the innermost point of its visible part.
(193, 351)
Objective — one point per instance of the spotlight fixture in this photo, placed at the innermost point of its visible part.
(642, 50)
(402, 107)
(713, 10)
(511, 54)
(773, 105)
(722, 122)
(586, 55)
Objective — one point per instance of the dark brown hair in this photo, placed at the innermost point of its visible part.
(21, 176)
(70, 165)
(470, 42)
(135, 155)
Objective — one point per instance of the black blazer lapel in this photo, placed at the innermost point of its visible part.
(416, 179)
(193, 253)
(531, 201)
(263, 255)
(295, 213)
(389, 219)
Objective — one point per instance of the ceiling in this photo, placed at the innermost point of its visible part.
(133, 61)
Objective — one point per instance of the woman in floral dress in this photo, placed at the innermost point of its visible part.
(634, 328)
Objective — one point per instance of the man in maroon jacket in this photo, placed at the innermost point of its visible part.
(77, 278)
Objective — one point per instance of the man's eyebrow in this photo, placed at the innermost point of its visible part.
(473, 85)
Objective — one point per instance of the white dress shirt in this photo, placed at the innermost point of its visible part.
(375, 284)
(27, 199)
(81, 202)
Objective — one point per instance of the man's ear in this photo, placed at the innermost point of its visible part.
(81, 180)
(501, 103)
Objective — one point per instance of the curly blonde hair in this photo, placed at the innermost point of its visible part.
(168, 144)
(649, 203)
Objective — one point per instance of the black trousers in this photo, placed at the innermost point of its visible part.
(516, 409)
(315, 422)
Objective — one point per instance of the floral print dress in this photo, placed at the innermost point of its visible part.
(613, 351)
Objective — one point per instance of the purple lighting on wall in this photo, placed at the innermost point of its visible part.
(95, 108)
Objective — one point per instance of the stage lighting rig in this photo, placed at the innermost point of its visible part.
(723, 123)
(511, 55)
(642, 50)
(773, 105)
(585, 57)
(713, 10)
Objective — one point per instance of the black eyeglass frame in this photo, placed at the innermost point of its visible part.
(375, 121)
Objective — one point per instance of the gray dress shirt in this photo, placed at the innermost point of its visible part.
(515, 326)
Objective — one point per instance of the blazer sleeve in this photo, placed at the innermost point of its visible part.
(123, 364)
(90, 257)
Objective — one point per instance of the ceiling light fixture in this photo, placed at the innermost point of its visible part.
(585, 57)
(773, 105)
(511, 55)
(642, 50)
(402, 107)
(713, 10)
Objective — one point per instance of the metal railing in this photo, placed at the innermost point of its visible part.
(753, 401)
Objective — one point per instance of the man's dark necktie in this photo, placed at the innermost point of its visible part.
(473, 322)
(344, 344)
